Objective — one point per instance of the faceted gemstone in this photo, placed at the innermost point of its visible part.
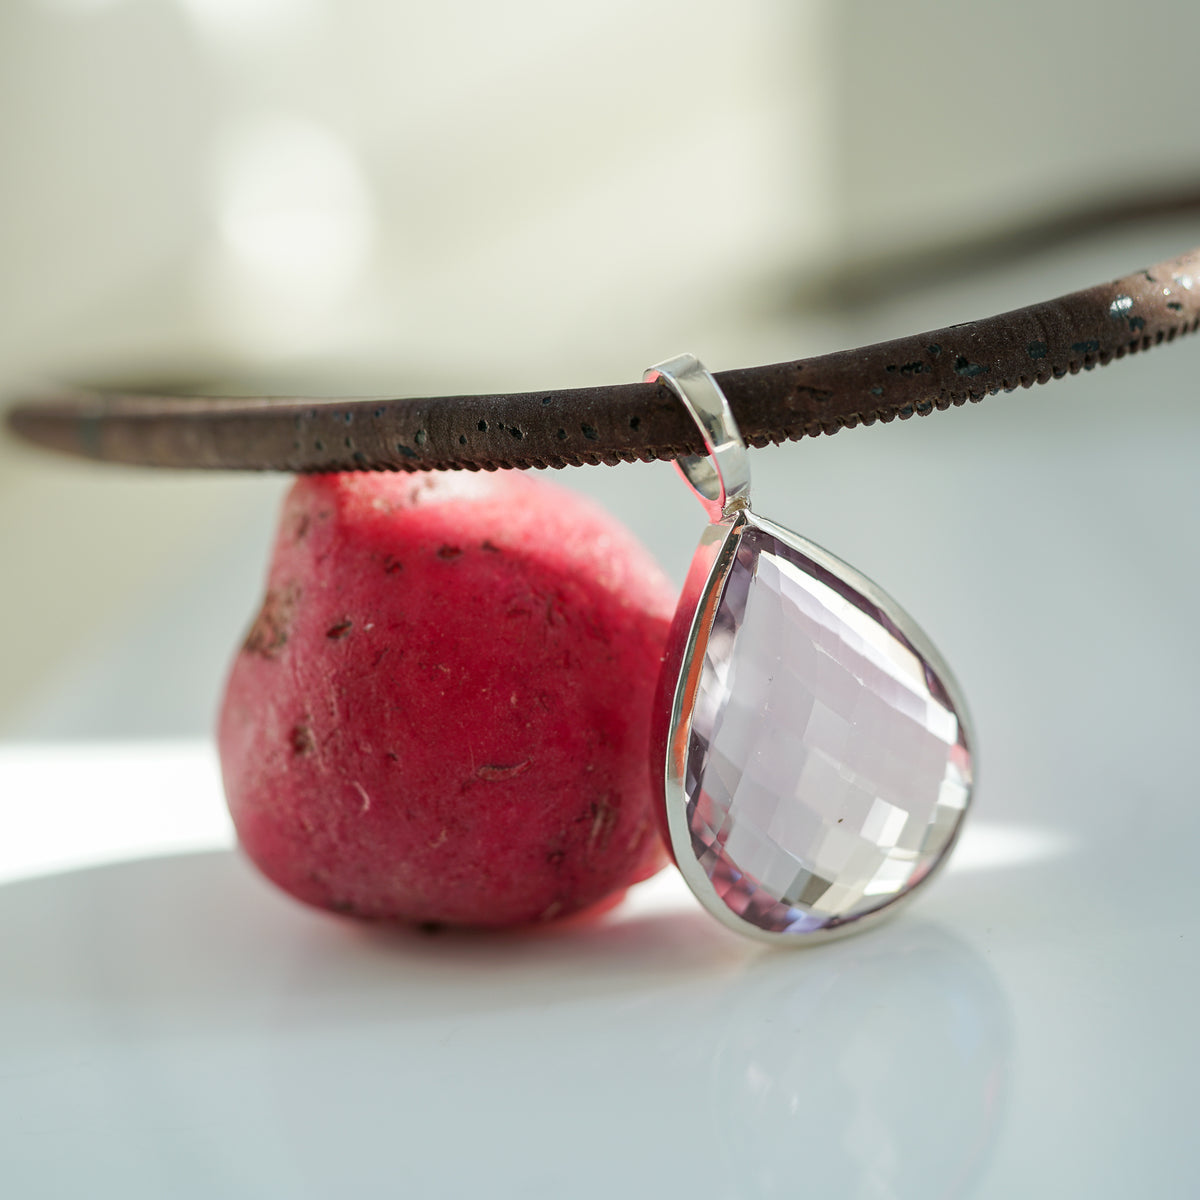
(827, 769)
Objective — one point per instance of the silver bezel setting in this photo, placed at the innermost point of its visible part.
(701, 597)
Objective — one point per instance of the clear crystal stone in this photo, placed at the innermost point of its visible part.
(827, 768)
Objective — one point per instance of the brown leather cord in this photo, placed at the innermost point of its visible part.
(627, 422)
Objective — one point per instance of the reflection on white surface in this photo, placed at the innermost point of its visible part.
(989, 845)
(175, 993)
(189, 1032)
(877, 1072)
(69, 805)
(175, 1026)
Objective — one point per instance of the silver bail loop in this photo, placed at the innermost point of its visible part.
(721, 478)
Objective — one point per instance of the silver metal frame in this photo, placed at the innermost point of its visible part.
(723, 488)
(720, 480)
(701, 596)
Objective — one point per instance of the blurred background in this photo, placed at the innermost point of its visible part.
(383, 197)
(377, 197)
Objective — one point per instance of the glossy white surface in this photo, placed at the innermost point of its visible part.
(172, 1026)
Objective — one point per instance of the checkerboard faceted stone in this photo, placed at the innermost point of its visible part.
(827, 767)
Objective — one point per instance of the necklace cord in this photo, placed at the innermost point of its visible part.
(626, 422)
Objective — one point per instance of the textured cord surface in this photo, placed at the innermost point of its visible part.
(626, 422)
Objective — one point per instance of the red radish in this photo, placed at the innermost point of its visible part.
(442, 711)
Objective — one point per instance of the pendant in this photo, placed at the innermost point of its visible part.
(817, 752)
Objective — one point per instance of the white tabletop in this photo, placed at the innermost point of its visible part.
(174, 1027)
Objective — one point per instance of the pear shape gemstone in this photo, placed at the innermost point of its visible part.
(827, 765)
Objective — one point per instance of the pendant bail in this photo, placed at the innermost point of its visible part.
(720, 478)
